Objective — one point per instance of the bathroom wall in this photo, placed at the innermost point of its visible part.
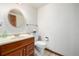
(28, 11)
(76, 30)
(60, 22)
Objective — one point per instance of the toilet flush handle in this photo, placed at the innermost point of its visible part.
(47, 38)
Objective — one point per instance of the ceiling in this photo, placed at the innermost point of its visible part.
(37, 5)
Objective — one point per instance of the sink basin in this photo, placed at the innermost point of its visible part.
(19, 35)
(10, 37)
(6, 38)
(13, 38)
(24, 35)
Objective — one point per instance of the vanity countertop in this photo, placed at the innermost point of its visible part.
(11, 39)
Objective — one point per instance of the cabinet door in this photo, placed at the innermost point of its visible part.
(29, 50)
(18, 52)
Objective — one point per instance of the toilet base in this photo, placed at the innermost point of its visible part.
(39, 48)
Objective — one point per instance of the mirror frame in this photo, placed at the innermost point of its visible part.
(21, 11)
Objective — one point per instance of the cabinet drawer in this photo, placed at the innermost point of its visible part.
(18, 52)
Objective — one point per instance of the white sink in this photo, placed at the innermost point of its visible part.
(26, 35)
(22, 35)
(5, 40)
(8, 39)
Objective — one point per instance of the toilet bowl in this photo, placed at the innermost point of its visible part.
(40, 46)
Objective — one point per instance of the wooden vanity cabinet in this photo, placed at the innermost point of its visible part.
(20, 48)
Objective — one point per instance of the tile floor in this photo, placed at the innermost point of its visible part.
(48, 53)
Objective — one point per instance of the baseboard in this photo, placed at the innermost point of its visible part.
(54, 52)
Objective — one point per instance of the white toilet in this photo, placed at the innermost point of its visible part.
(40, 46)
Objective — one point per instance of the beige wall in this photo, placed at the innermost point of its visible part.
(60, 22)
(28, 11)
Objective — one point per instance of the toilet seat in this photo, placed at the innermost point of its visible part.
(40, 43)
(40, 46)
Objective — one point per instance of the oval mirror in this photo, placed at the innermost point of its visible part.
(16, 18)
